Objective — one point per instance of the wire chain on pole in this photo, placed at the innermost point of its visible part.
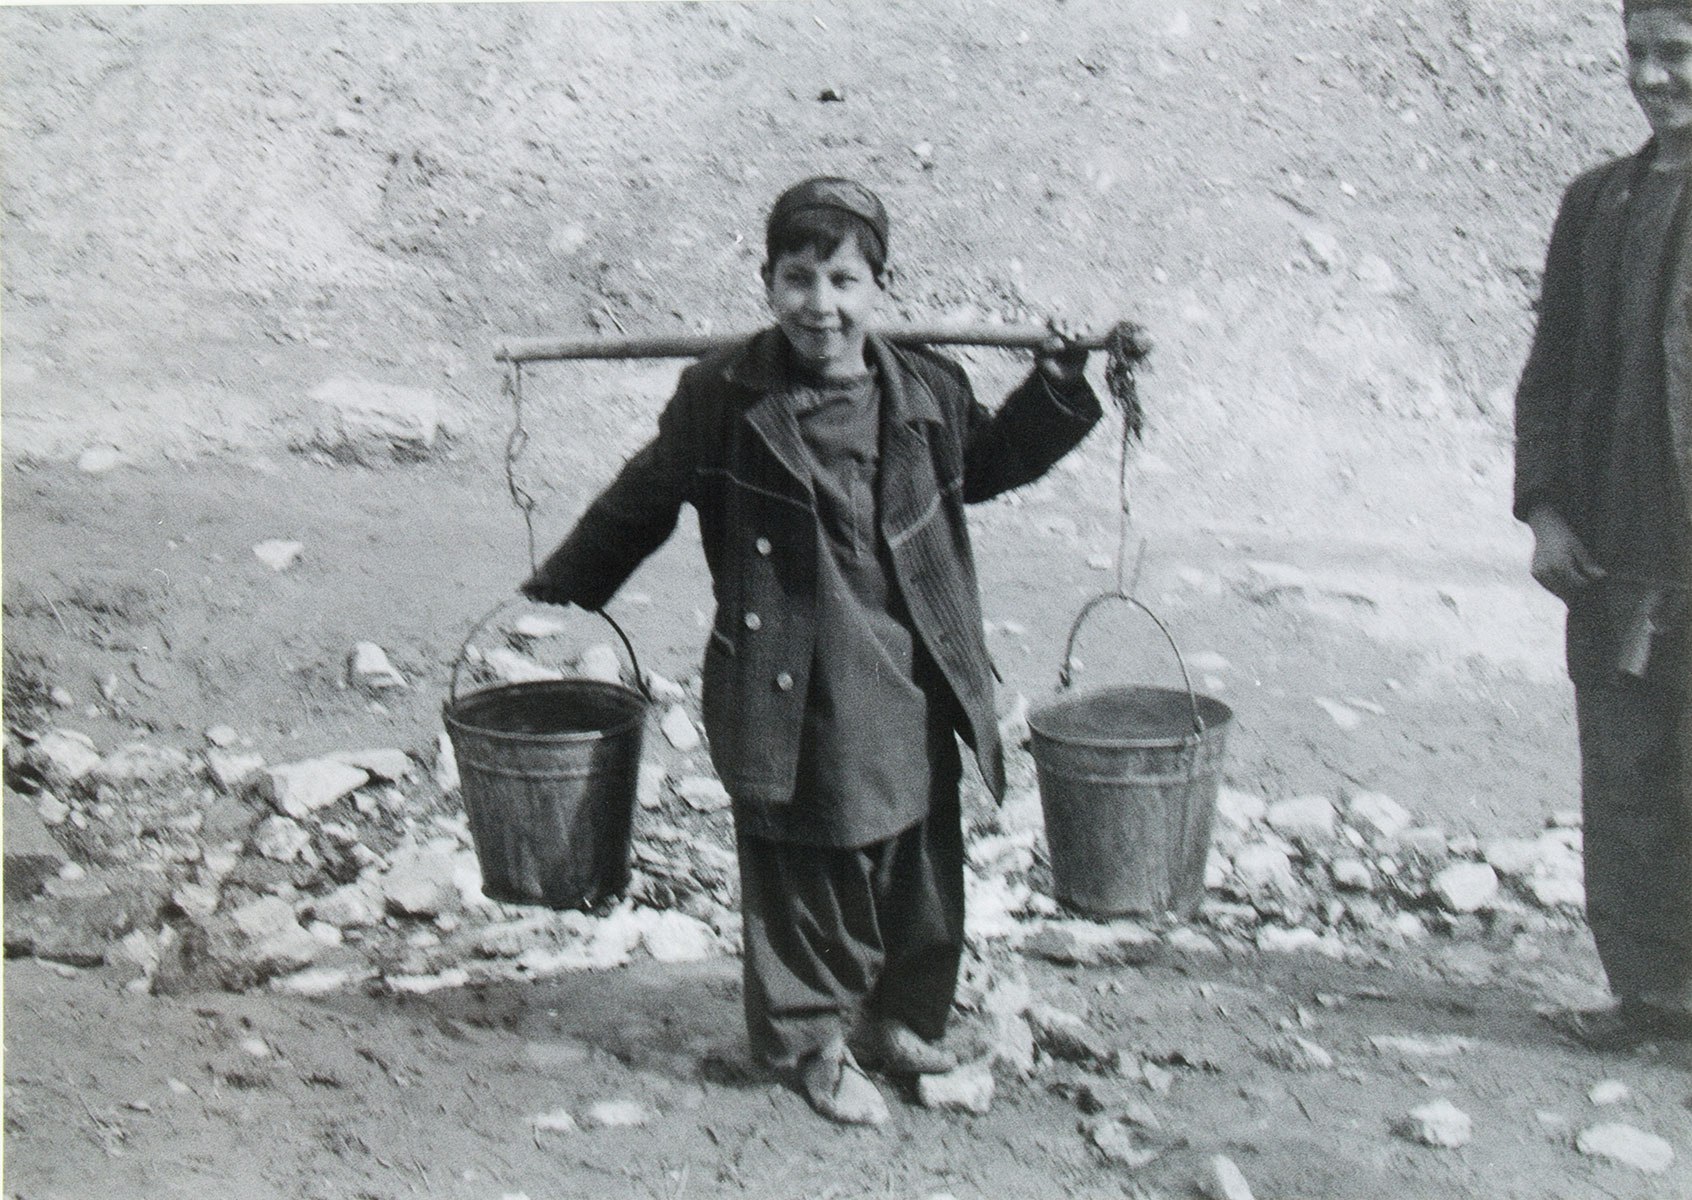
(1123, 348)
(515, 444)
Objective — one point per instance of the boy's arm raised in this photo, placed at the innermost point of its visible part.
(1043, 419)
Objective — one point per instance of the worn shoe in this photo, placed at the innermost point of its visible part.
(894, 1047)
(837, 1088)
(1624, 1026)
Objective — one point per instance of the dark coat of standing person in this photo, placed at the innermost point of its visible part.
(829, 470)
(1604, 478)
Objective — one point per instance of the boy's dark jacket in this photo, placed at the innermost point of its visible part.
(1564, 401)
(728, 443)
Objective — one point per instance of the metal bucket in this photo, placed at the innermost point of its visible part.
(1128, 780)
(548, 772)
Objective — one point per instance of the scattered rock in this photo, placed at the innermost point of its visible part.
(299, 789)
(675, 937)
(1609, 1091)
(1322, 247)
(63, 755)
(1626, 1145)
(1086, 943)
(703, 793)
(260, 939)
(665, 691)
(1440, 1123)
(512, 667)
(281, 839)
(141, 763)
(388, 765)
(1223, 1180)
(1240, 809)
(678, 727)
(1013, 725)
(1277, 939)
(1351, 874)
(368, 669)
(422, 985)
(198, 900)
(446, 765)
(278, 555)
(222, 736)
(321, 981)
(52, 810)
(1064, 1035)
(558, 1120)
(599, 661)
(232, 772)
(32, 854)
(649, 790)
(98, 460)
(1293, 1053)
(366, 422)
(1465, 887)
(1191, 942)
(966, 1088)
(1413, 1046)
(615, 1114)
(1265, 582)
(1122, 1144)
(538, 625)
(1344, 716)
(419, 882)
(1376, 815)
(1262, 867)
(1559, 891)
(1310, 818)
(81, 929)
(1428, 841)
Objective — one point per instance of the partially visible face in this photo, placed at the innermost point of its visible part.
(1659, 53)
(823, 305)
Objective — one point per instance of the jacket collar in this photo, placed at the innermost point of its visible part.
(908, 404)
(761, 366)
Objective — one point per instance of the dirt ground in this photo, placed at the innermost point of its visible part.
(1330, 216)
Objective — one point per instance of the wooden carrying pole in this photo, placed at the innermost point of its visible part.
(1008, 337)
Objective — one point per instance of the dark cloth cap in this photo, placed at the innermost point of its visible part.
(829, 191)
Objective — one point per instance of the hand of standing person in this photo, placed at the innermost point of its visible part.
(1061, 359)
(1561, 564)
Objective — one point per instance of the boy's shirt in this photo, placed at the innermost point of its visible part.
(875, 731)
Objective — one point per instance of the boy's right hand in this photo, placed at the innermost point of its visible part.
(541, 594)
(1561, 564)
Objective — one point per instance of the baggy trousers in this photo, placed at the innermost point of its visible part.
(1636, 797)
(835, 935)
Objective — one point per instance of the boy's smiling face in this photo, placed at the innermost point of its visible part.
(823, 305)
(1659, 52)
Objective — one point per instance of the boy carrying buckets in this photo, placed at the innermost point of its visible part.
(829, 470)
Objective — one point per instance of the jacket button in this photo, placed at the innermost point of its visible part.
(763, 547)
(784, 682)
(754, 621)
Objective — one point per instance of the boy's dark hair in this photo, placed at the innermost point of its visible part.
(821, 213)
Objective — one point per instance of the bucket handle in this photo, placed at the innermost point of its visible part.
(1066, 674)
(464, 648)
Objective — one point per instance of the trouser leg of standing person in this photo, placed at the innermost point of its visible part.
(920, 896)
(1637, 806)
(833, 934)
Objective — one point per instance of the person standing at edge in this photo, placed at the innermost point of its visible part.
(1604, 479)
(830, 469)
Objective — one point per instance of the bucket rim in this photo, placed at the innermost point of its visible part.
(452, 709)
(1216, 724)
